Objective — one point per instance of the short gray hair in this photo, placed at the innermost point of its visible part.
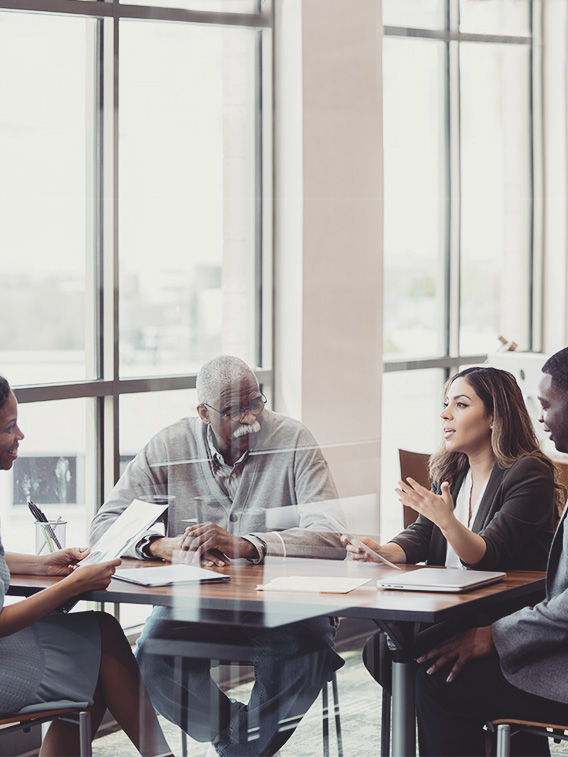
(219, 373)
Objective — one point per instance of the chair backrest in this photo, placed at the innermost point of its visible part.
(415, 465)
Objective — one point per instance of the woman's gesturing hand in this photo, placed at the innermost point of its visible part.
(439, 508)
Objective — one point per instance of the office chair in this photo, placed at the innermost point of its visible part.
(507, 727)
(232, 654)
(415, 465)
(81, 716)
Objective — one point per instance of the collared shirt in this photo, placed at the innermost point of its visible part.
(229, 478)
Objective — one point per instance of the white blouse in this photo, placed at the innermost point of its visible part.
(461, 512)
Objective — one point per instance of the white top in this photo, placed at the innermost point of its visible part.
(461, 512)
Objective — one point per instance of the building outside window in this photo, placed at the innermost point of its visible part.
(460, 163)
(136, 206)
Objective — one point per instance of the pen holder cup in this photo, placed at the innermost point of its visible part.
(50, 536)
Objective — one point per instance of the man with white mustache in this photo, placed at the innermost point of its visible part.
(230, 471)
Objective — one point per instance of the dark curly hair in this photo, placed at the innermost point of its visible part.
(557, 368)
(5, 391)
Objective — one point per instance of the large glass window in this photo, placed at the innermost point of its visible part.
(459, 169)
(135, 197)
(45, 110)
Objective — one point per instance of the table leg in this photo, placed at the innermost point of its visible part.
(400, 639)
(404, 709)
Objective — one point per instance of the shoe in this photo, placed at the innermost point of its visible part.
(212, 751)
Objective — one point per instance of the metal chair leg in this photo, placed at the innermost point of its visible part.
(85, 733)
(337, 716)
(503, 740)
(325, 720)
(386, 724)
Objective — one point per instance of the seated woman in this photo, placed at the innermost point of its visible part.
(494, 503)
(79, 657)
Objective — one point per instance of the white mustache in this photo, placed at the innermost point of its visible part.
(250, 428)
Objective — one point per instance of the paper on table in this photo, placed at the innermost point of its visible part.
(170, 574)
(125, 531)
(321, 584)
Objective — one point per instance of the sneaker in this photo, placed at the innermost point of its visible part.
(212, 751)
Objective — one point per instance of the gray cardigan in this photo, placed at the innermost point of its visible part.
(533, 642)
(285, 469)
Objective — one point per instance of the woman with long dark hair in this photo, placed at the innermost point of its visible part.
(494, 503)
(82, 657)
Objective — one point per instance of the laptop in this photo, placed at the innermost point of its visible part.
(440, 579)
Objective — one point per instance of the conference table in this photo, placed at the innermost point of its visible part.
(239, 601)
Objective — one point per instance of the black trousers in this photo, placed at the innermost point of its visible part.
(451, 715)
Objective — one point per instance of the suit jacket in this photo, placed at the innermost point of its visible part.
(533, 642)
(516, 518)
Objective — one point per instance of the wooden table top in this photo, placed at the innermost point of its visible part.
(240, 595)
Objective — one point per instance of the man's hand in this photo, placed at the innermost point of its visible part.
(212, 543)
(476, 642)
(164, 547)
(64, 561)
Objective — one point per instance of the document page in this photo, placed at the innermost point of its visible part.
(170, 574)
(126, 531)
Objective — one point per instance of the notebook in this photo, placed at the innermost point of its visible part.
(440, 579)
(169, 574)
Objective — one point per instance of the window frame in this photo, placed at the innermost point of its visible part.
(102, 464)
(452, 37)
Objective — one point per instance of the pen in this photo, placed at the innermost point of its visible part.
(51, 538)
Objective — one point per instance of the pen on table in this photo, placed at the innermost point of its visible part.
(41, 518)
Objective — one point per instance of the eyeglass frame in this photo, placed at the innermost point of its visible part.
(227, 413)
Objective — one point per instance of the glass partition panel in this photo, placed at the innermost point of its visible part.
(45, 107)
(51, 469)
(412, 403)
(143, 415)
(418, 14)
(415, 197)
(496, 200)
(212, 6)
(187, 196)
(496, 17)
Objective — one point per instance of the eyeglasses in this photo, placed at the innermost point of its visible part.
(236, 412)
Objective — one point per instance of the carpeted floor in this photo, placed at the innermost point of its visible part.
(360, 706)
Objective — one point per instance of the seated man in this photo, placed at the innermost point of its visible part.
(515, 668)
(232, 470)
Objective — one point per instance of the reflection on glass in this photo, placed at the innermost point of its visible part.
(187, 196)
(496, 196)
(418, 14)
(414, 197)
(495, 17)
(213, 6)
(43, 196)
(143, 415)
(412, 403)
(51, 470)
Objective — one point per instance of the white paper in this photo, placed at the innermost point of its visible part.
(169, 574)
(319, 584)
(125, 531)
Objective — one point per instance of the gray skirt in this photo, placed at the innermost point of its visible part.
(65, 656)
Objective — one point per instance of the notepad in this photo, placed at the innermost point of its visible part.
(317, 584)
(170, 574)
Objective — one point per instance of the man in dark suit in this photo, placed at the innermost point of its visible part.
(517, 667)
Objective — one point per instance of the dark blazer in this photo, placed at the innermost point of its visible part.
(516, 517)
(533, 642)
